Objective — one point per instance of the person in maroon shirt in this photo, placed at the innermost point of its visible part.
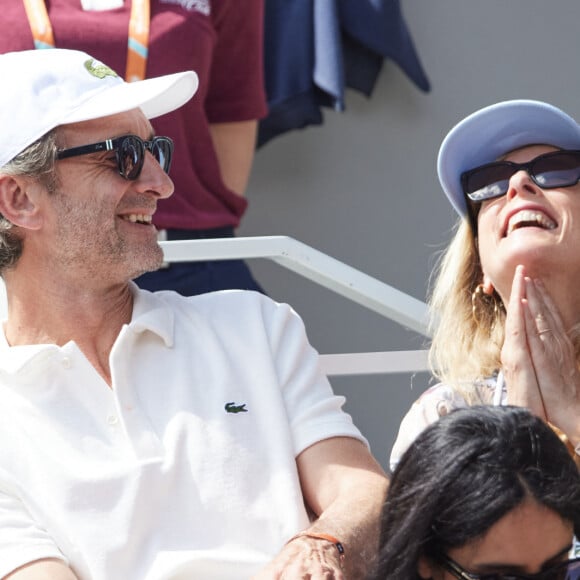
(214, 133)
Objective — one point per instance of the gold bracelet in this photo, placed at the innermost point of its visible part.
(327, 538)
(564, 438)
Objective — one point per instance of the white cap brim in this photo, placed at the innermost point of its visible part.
(155, 97)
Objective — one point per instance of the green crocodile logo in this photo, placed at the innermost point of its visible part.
(233, 408)
(99, 70)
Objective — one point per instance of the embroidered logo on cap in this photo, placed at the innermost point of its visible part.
(233, 408)
(99, 70)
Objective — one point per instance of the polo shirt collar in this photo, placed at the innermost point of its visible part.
(20, 360)
(150, 313)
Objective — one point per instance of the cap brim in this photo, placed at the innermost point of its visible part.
(490, 133)
(155, 97)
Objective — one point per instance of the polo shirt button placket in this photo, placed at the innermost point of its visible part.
(66, 362)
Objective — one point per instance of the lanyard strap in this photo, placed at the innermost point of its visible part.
(39, 23)
(137, 45)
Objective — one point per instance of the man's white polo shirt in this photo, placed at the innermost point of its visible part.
(186, 467)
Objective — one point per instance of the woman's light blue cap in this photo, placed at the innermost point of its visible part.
(491, 132)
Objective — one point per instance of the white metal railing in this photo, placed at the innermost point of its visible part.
(334, 275)
(373, 363)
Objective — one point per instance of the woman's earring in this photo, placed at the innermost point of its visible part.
(481, 301)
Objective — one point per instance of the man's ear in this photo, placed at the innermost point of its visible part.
(17, 201)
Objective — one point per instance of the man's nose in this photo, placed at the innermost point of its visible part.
(154, 179)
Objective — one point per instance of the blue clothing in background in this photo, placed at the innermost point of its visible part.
(314, 49)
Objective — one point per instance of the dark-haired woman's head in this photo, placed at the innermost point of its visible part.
(482, 480)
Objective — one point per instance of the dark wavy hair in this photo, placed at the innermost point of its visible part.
(464, 473)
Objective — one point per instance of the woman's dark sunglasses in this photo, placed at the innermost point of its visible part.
(130, 153)
(567, 570)
(548, 171)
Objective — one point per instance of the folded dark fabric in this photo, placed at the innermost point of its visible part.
(313, 51)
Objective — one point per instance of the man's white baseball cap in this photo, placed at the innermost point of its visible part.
(491, 132)
(47, 88)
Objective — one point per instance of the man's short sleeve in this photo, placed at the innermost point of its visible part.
(22, 539)
(314, 411)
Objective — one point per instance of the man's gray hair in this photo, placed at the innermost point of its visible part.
(38, 162)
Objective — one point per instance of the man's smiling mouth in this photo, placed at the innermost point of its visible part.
(137, 218)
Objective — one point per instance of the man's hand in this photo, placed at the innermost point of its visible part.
(345, 488)
(304, 557)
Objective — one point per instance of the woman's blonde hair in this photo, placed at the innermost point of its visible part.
(467, 326)
(466, 342)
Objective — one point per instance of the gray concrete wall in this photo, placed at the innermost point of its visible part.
(363, 187)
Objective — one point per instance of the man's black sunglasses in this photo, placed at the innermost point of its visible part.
(130, 153)
(567, 570)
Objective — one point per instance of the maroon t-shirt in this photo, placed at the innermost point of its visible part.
(221, 40)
